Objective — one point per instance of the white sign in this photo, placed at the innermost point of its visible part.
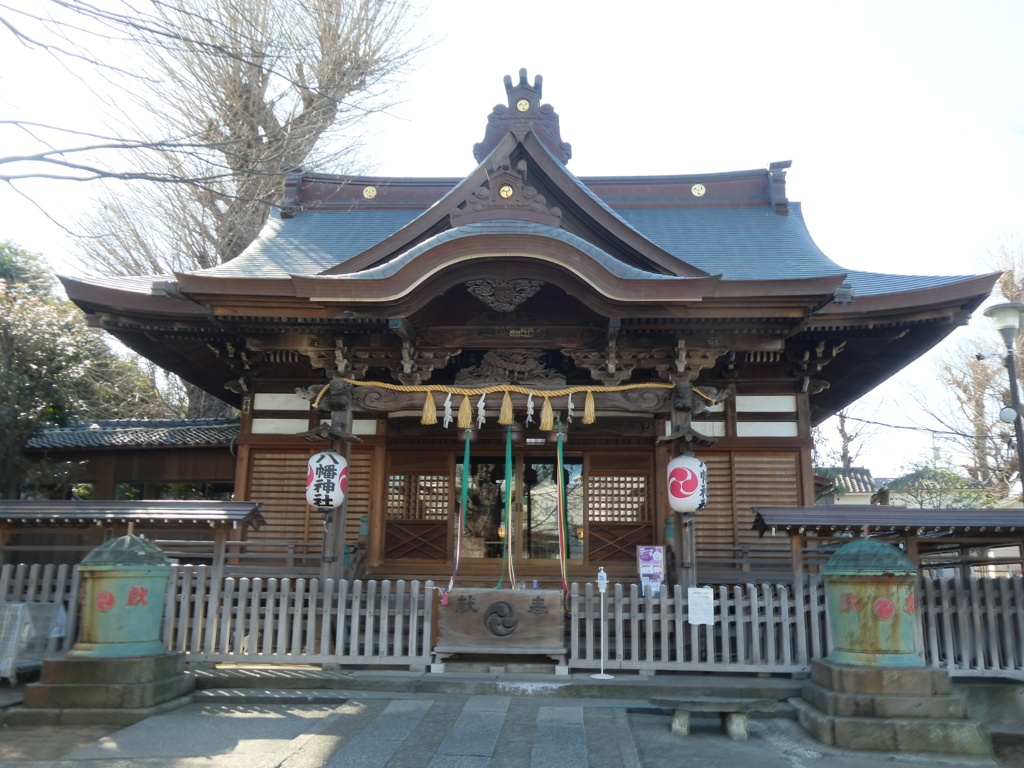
(701, 602)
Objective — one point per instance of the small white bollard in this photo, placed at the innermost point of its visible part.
(602, 587)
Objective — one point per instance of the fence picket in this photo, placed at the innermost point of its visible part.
(784, 618)
(926, 608)
(634, 625)
(384, 619)
(20, 574)
(370, 620)
(665, 654)
(416, 649)
(237, 638)
(1003, 616)
(800, 611)
(1018, 604)
(356, 617)
(295, 615)
(6, 572)
(979, 644)
(398, 644)
(994, 661)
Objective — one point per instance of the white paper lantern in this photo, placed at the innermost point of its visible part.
(687, 484)
(326, 480)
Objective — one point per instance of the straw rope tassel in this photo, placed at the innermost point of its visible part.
(588, 409)
(465, 413)
(547, 416)
(506, 415)
(429, 410)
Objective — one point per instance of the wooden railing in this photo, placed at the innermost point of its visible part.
(972, 629)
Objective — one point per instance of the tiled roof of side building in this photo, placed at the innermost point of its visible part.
(854, 479)
(130, 433)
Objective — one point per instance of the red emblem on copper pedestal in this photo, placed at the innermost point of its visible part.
(884, 608)
(104, 601)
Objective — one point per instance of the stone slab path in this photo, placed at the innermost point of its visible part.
(389, 730)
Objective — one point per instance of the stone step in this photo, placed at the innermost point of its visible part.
(961, 737)
(625, 685)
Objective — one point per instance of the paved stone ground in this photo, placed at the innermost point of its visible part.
(388, 730)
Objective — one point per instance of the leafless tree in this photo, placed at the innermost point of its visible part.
(211, 90)
(977, 389)
(222, 98)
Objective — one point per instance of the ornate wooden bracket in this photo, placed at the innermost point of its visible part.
(337, 401)
(417, 364)
(687, 403)
(615, 365)
(810, 360)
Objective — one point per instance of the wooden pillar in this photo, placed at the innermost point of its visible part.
(220, 538)
(912, 552)
(104, 473)
(332, 563)
(796, 545)
(686, 550)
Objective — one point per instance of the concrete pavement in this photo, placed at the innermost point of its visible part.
(361, 729)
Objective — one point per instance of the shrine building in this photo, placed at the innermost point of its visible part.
(637, 316)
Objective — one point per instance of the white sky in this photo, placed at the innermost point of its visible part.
(904, 119)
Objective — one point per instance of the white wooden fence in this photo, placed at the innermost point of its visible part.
(299, 621)
(44, 584)
(975, 629)
(767, 628)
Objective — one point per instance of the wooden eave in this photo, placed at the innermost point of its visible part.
(92, 297)
(841, 518)
(824, 286)
(967, 294)
(196, 283)
(436, 218)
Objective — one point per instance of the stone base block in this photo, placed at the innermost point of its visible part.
(846, 678)
(884, 705)
(961, 737)
(112, 696)
(128, 670)
(101, 683)
(117, 717)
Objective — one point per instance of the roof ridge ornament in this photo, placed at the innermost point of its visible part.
(523, 114)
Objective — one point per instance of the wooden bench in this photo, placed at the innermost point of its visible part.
(734, 712)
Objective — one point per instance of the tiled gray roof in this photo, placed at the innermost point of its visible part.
(312, 241)
(854, 479)
(128, 433)
(739, 243)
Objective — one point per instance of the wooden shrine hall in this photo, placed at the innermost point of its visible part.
(637, 317)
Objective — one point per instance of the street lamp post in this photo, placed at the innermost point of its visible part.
(1006, 318)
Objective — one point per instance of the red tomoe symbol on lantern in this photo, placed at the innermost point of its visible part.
(104, 601)
(884, 608)
(683, 482)
(343, 480)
